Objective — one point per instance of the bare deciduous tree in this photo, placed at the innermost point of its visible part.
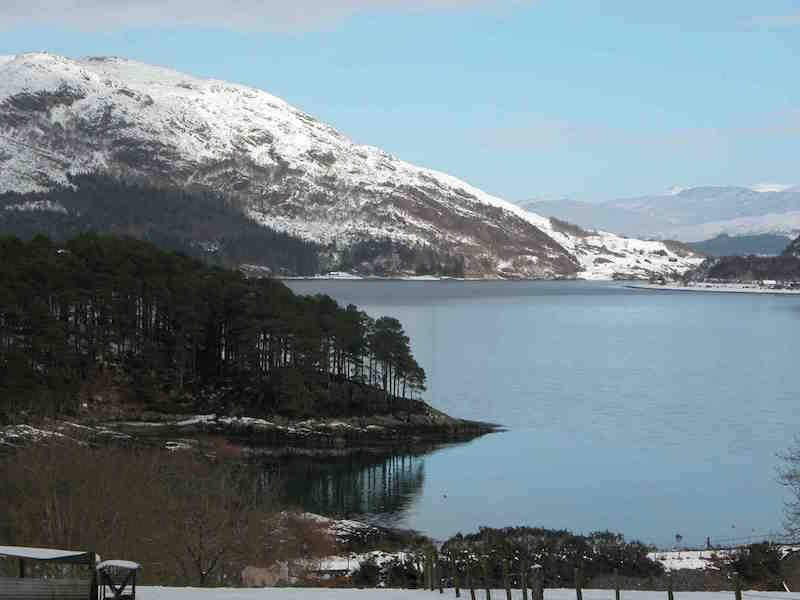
(187, 517)
(789, 476)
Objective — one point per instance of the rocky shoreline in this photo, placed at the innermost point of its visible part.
(417, 432)
(337, 436)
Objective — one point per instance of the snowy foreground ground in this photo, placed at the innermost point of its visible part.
(162, 593)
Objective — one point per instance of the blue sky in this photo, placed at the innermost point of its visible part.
(588, 99)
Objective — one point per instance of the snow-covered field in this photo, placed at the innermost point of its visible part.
(162, 593)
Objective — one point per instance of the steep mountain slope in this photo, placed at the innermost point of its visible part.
(283, 168)
(689, 215)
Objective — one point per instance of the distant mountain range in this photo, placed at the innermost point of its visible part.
(365, 210)
(689, 215)
(782, 267)
(764, 244)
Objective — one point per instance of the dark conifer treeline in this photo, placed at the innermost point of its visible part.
(200, 224)
(383, 257)
(185, 335)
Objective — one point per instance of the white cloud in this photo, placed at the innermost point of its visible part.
(244, 15)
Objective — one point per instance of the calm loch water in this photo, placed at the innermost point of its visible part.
(649, 413)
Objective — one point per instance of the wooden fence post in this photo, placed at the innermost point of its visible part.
(93, 585)
(523, 578)
(426, 575)
(670, 588)
(470, 581)
(485, 567)
(579, 582)
(429, 560)
(737, 586)
(435, 578)
(537, 583)
(617, 593)
(432, 582)
(456, 576)
(506, 580)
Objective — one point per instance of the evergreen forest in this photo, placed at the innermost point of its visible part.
(179, 335)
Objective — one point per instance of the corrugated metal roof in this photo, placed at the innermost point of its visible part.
(77, 556)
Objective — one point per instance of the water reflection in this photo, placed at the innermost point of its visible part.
(379, 489)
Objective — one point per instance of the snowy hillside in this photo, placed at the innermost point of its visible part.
(285, 169)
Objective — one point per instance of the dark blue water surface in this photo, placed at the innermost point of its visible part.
(649, 413)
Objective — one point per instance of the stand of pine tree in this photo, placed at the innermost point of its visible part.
(182, 336)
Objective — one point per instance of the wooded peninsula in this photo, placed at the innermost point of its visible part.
(100, 314)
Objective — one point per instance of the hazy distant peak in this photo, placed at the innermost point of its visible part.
(691, 214)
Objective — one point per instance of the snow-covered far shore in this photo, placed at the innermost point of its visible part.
(724, 288)
(163, 593)
(674, 560)
(345, 276)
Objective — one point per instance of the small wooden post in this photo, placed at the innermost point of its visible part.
(523, 578)
(434, 571)
(617, 593)
(470, 581)
(737, 586)
(537, 583)
(670, 592)
(431, 569)
(456, 576)
(485, 566)
(579, 582)
(507, 579)
(93, 591)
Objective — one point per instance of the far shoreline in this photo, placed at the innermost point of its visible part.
(714, 288)
(434, 279)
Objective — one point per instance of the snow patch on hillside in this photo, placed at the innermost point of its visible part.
(38, 205)
(687, 559)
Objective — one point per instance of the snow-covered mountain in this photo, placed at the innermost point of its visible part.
(690, 214)
(285, 169)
